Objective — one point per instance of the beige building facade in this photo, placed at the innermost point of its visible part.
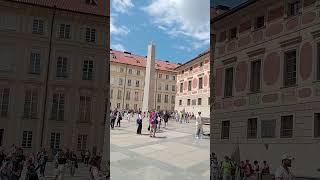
(193, 92)
(127, 76)
(53, 73)
(266, 68)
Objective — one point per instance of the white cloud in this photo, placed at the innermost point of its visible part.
(187, 18)
(118, 47)
(117, 30)
(122, 6)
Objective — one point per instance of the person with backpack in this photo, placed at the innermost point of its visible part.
(139, 123)
(42, 161)
(60, 164)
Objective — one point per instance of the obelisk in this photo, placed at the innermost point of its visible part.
(149, 86)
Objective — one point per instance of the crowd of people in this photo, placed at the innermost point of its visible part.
(229, 169)
(14, 162)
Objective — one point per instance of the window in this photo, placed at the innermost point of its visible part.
(316, 125)
(188, 102)
(87, 70)
(121, 70)
(181, 87)
(167, 87)
(180, 102)
(189, 85)
(30, 104)
(4, 101)
(35, 63)
(118, 105)
(167, 76)
(137, 83)
(268, 128)
(160, 76)
(259, 22)
(199, 101)
(127, 106)
(293, 7)
(286, 130)
(172, 99)
(136, 96)
(290, 68)
(55, 140)
(201, 64)
(27, 139)
(174, 78)
(201, 83)
(228, 86)
(232, 33)
(158, 108)
(138, 73)
(159, 86)
(57, 109)
(130, 71)
(85, 109)
(159, 98)
(318, 60)
(252, 128)
(173, 88)
(64, 31)
(62, 64)
(1, 136)
(119, 94)
(182, 72)
(225, 130)
(166, 98)
(128, 95)
(255, 76)
(82, 142)
(194, 102)
(190, 68)
(90, 35)
(120, 81)
(91, 2)
(129, 82)
(135, 106)
(38, 26)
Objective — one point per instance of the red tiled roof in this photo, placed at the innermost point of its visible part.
(136, 60)
(101, 7)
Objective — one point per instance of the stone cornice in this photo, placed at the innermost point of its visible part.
(230, 60)
(291, 41)
(315, 34)
(256, 52)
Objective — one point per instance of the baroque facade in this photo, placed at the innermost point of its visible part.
(193, 92)
(127, 76)
(266, 68)
(53, 73)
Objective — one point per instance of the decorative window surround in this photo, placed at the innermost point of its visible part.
(292, 41)
(256, 52)
(229, 61)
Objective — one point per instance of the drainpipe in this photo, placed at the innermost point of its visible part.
(47, 78)
(124, 87)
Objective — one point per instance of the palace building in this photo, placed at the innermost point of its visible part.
(53, 73)
(127, 76)
(267, 91)
(193, 92)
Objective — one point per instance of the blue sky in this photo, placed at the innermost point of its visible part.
(179, 28)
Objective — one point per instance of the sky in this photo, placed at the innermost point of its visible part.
(179, 28)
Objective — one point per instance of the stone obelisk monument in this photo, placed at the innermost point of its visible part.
(149, 86)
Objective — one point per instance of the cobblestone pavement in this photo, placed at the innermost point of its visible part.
(173, 155)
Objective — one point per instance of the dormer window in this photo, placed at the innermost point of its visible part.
(293, 7)
(91, 2)
(259, 22)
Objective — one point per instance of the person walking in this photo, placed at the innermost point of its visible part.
(73, 163)
(166, 118)
(139, 122)
(6, 169)
(256, 167)
(119, 118)
(42, 162)
(61, 161)
(94, 170)
(113, 118)
(226, 169)
(284, 172)
(248, 170)
(152, 122)
(215, 168)
(86, 157)
(198, 126)
(31, 173)
(265, 171)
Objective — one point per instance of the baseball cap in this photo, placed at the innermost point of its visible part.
(287, 156)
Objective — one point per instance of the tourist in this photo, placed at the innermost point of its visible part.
(256, 170)
(166, 119)
(139, 122)
(152, 121)
(42, 161)
(61, 161)
(284, 172)
(214, 167)
(158, 122)
(198, 125)
(113, 118)
(94, 170)
(31, 173)
(73, 163)
(226, 168)
(265, 171)
(86, 157)
(247, 170)
(6, 169)
(17, 162)
(2, 157)
(118, 118)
